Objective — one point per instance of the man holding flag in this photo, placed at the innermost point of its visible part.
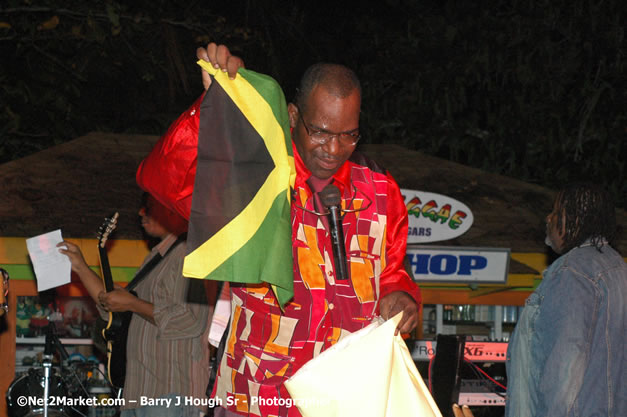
(284, 319)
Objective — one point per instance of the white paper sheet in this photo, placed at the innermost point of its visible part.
(52, 268)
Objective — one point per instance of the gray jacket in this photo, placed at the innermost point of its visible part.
(567, 355)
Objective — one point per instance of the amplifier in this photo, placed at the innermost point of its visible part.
(479, 392)
(481, 399)
(481, 357)
(423, 350)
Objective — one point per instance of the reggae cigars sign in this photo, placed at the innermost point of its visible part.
(435, 217)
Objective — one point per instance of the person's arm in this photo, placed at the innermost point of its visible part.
(173, 315)
(220, 57)
(117, 300)
(92, 282)
(120, 300)
(398, 291)
(562, 338)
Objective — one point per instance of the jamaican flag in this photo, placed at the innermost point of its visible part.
(239, 225)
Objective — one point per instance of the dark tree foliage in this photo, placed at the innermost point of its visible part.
(70, 67)
(534, 89)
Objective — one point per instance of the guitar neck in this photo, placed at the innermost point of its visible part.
(105, 268)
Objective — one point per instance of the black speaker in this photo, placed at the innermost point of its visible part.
(445, 378)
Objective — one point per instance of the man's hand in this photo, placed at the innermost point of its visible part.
(91, 281)
(462, 412)
(117, 300)
(394, 303)
(75, 255)
(220, 57)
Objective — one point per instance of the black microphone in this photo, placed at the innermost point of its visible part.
(330, 197)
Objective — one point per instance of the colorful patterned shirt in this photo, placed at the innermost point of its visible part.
(265, 345)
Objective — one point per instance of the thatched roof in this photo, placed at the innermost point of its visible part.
(75, 185)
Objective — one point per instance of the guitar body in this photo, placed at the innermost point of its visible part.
(116, 335)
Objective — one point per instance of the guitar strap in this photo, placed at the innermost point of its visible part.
(142, 273)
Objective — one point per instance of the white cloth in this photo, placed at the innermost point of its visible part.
(370, 373)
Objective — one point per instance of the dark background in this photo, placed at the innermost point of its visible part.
(533, 89)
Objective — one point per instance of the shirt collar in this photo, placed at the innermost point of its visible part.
(163, 246)
(588, 242)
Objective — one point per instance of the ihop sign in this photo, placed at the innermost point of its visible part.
(458, 265)
(435, 217)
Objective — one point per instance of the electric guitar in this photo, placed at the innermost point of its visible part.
(116, 331)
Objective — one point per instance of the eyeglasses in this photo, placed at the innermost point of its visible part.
(321, 136)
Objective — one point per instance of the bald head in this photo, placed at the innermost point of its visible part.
(336, 79)
(327, 105)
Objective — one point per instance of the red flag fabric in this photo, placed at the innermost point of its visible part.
(169, 170)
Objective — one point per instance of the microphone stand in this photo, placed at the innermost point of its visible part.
(56, 344)
(53, 343)
(47, 365)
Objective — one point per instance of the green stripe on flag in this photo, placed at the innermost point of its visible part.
(255, 246)
(237, 233)
(250, 264)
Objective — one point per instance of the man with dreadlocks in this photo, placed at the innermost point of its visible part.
(567, 355)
